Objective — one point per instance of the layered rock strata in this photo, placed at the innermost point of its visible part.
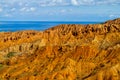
(63, 52)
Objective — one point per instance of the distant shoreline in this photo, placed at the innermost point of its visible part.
(12, 26)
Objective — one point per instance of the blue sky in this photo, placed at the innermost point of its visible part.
(59, 10)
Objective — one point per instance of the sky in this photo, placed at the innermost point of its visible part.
(59, 10)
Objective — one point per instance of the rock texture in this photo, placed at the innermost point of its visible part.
(63, 52)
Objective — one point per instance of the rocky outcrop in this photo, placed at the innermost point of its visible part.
(63, 52)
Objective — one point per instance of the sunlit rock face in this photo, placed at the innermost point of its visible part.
(63, 52)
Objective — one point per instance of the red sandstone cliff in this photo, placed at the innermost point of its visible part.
(63, 52)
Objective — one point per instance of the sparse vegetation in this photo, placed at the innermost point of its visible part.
(10, 54)
(1, 79)
(35, 73)
(1, 65)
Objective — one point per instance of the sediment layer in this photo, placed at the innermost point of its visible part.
(63, 52)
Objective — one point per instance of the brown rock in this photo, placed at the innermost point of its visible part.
(63, 52)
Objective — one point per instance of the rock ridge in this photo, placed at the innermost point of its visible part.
(63, 52)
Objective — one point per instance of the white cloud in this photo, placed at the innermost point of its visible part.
(20, 4)
(70, 10)
(7, 15)
(13, 9)
(53, 3)
(32, 9)
(86, 2)
(110, 2)
(74, 2)
(23, 9)
(57, 1)
(111, 15)
(63, 10)
(114, 16)
(66, 10)
(27, 9)
(44, 3)
(1, 9)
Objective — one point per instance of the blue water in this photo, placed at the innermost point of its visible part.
(11, 26)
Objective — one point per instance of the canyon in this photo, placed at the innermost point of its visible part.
(63, 52)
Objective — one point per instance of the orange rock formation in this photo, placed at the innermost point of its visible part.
(63, 52)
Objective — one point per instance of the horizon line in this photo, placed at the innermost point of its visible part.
(45, 21)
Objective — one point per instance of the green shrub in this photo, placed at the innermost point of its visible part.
(10, 54)
(1, 79)
(1, 65)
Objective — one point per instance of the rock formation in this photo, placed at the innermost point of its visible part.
(63, 52)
